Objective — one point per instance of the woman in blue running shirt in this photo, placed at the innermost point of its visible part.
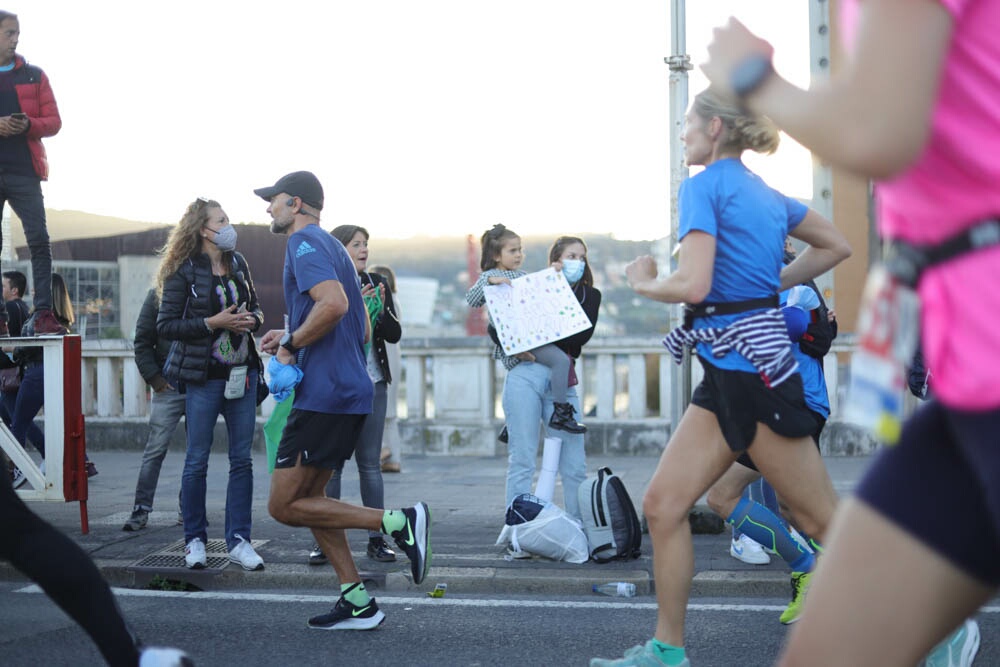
(732, 232)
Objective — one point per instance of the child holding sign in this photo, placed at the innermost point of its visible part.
(500, 263)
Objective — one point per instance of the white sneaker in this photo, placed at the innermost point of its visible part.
(748, 551)
(244, 555)
(194, 555)
(17, 478)
(164, 657)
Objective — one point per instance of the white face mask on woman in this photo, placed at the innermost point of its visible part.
(225, 238)
(573, 269)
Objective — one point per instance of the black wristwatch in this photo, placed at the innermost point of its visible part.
(286, 342)
(750, 74)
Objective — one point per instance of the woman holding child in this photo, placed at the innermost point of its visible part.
(527, 392)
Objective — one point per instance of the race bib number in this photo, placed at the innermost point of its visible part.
(888, 334)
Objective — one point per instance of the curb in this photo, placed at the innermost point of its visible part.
(460, 580)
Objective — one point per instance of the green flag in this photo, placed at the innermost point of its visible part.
(274, 427)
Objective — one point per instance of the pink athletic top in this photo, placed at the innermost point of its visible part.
(952, 185)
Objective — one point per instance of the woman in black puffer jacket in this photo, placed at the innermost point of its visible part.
(208, 308)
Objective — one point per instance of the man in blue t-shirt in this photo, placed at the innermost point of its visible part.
(328, 328)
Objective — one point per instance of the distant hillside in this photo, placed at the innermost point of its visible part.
(64, 225)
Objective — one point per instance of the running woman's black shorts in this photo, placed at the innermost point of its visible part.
(941, 484)
(740, 400)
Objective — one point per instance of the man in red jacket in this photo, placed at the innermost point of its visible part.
(28, 112)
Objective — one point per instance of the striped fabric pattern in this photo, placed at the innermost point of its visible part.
(761, 338)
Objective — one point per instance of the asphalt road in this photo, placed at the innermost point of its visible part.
(248, 628)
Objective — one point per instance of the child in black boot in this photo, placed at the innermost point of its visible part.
(562, 419)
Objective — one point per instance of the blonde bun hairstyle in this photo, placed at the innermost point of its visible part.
(746, 131)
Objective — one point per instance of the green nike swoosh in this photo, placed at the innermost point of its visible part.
(409, 541)
(358, 612)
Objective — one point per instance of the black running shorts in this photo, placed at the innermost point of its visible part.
(941, 484)
(740, 400)
(320, 439)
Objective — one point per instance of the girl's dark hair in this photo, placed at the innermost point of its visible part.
(344, 233)
(556, 251)
(62, 305)
(492, 242)
(745, 130)
(385, 271)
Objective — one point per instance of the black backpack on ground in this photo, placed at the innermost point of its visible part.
(609, 518)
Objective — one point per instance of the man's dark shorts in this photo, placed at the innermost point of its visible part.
(740, 400)
(941, 484)
(322, 440)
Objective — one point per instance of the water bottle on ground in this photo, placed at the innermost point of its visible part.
(621, 589)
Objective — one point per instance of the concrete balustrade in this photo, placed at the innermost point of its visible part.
(450, 396)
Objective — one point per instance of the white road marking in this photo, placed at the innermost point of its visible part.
(441, 602)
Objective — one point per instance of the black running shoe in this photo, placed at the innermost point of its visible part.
(346, 616)
(415, 539)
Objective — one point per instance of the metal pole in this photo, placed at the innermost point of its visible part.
(679, 63)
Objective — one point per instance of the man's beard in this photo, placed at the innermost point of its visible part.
(280, 227)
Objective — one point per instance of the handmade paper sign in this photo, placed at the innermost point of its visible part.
(533, 310)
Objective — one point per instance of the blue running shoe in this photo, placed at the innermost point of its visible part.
(958, 649)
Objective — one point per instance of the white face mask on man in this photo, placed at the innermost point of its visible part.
(225, 238)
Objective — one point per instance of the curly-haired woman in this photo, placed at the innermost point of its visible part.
(208, 307)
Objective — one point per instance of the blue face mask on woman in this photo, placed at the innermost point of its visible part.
(225, 238)
(573, 269)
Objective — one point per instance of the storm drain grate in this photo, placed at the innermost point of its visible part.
(172, 555)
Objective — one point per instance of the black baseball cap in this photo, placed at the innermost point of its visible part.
(301, 184)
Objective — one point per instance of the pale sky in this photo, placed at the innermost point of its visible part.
(429, 117)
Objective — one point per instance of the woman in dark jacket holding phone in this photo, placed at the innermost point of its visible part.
(385, 329)
(208, 307)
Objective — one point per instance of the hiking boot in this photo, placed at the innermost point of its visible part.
(194, 555)
(562, 419)
(504, 436)
(800, 587)
(415, 539)
(244, 555)
(637, 656)
(747, 550)
(347, 616)
(316, 556)
(43, 323)
(380, 551)
(137, 521)
(957, 649)
(151, 656)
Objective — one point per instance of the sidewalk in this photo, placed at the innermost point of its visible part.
(465, 495)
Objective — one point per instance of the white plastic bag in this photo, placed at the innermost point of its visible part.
(553, 534)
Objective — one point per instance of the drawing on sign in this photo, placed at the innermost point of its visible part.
(533, 310)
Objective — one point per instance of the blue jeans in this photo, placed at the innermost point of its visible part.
(367, 454)
(30, 397)
(527, 404)
(8, 403)
(204, 403)
(167, 408)
(24, 194)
